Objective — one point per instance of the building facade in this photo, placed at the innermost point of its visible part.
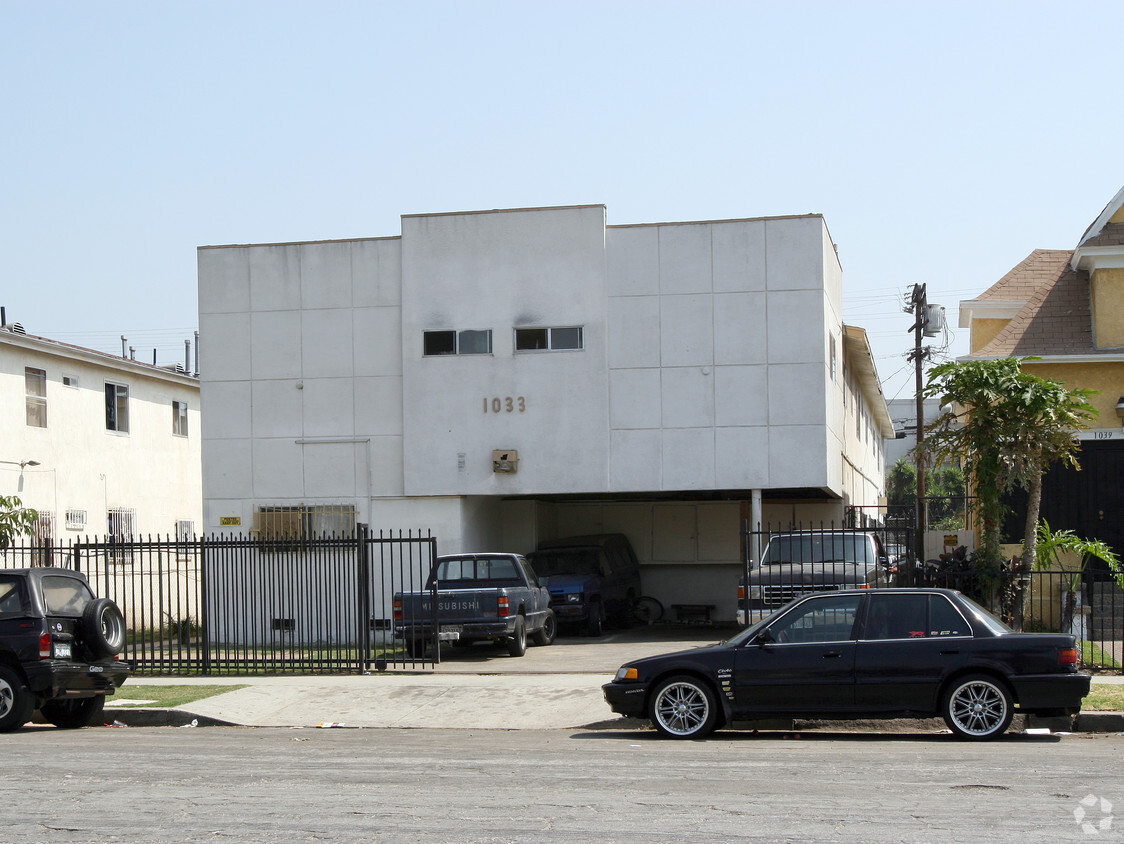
(504, 377)
(1065, 307)
(98, 445)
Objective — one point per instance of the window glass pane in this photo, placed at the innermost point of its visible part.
(474, 343)
(117, 408)
(110, 407)
(65, 595)
(440, 343)
(897, 617)
(179, 418)
(530, 339)
(818, 620)
(36, 381)
(565, 338)
(945, 620)
(13, 597)
(37, 412)
(122, 408)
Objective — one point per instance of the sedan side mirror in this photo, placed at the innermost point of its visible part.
(765, 637)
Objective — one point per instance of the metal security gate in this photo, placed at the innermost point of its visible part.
(237, 605)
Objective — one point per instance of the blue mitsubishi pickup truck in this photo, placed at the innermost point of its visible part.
(493, 596)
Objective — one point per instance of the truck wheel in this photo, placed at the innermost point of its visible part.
(545, 634)
(517, 644)
(16, 704)
(416, 648)
(595, 625)
(72, 714)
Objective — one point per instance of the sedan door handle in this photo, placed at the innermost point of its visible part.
(949, 653)
(832, 655)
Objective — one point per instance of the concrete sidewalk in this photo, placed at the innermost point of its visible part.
(557, 687)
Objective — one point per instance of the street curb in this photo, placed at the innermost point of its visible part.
(150, 717)
(1085, 722)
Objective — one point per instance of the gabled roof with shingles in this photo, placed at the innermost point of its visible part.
(1056, 319)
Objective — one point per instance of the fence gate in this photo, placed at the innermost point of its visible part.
(236, 605)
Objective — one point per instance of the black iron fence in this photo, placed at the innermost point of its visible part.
(780, 564)
(231, 605)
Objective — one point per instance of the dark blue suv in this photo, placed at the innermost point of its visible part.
(593, 580)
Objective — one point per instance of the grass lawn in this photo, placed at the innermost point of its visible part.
(165, 696)
(1104, 698)
(1091, 654)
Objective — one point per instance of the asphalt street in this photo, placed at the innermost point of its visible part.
(234, 784)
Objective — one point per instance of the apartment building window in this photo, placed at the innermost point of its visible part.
(179, 418)
(44, 538)
(121, 528)
(185, 535)
(117, 407)
(468, 342)
(35, 381)
(304, 521)
(549, 339)
(75, 519)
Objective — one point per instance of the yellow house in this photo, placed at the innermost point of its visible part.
(1066, 307)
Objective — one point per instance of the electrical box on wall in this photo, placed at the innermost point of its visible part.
(505, 461)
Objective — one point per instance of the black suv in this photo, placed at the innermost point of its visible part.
(58, 648)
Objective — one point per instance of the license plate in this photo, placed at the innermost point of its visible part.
(62, 650)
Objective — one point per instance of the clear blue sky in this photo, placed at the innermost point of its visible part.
(942, 141)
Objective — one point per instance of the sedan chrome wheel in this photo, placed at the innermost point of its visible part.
(977, 707)
(683, 707)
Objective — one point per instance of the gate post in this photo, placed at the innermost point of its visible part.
(362, 534)
(204, 600)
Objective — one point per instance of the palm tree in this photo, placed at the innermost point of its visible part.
(1008, 426)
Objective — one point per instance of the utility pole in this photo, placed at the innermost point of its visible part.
(919, 306)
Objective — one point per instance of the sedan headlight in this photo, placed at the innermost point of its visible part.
(626, 672)
(574, 598)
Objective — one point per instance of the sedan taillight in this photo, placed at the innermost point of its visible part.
(1067, 656)
(45, 646)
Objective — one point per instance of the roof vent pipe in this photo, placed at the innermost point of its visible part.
(124, 340)
(132, 353)
(3, 317)
(187, 356)
(196, 354)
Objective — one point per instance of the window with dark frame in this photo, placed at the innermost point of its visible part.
(117, 407)
(466, 342)
(35, 381)
(567, 338)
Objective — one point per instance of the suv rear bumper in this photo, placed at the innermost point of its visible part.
(52, 678)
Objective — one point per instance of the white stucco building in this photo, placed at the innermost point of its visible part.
(100, 445)
(502, 377)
